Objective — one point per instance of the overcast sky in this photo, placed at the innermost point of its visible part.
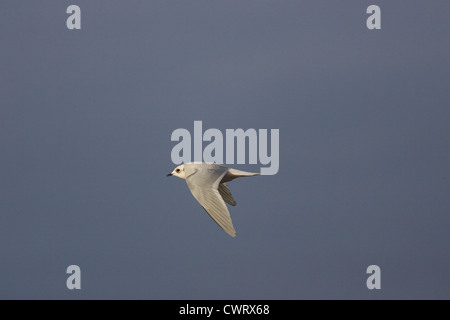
(86, 118)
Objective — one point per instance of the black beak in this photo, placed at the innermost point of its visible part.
(169, 175)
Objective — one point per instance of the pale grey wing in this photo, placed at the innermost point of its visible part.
(226, 194)
(203, 184)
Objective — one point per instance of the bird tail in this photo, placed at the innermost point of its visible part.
(234, 173)
(241, 173)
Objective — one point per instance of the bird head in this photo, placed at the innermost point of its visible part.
(178, 172)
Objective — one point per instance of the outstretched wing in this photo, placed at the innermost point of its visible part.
(204, 185)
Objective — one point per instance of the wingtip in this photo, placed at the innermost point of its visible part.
(231, 233)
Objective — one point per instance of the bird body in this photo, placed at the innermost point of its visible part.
(207, 183)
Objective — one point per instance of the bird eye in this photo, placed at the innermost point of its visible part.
(178, 170)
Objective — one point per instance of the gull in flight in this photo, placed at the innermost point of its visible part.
(207, 182)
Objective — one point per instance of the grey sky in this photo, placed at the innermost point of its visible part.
(85, 123)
